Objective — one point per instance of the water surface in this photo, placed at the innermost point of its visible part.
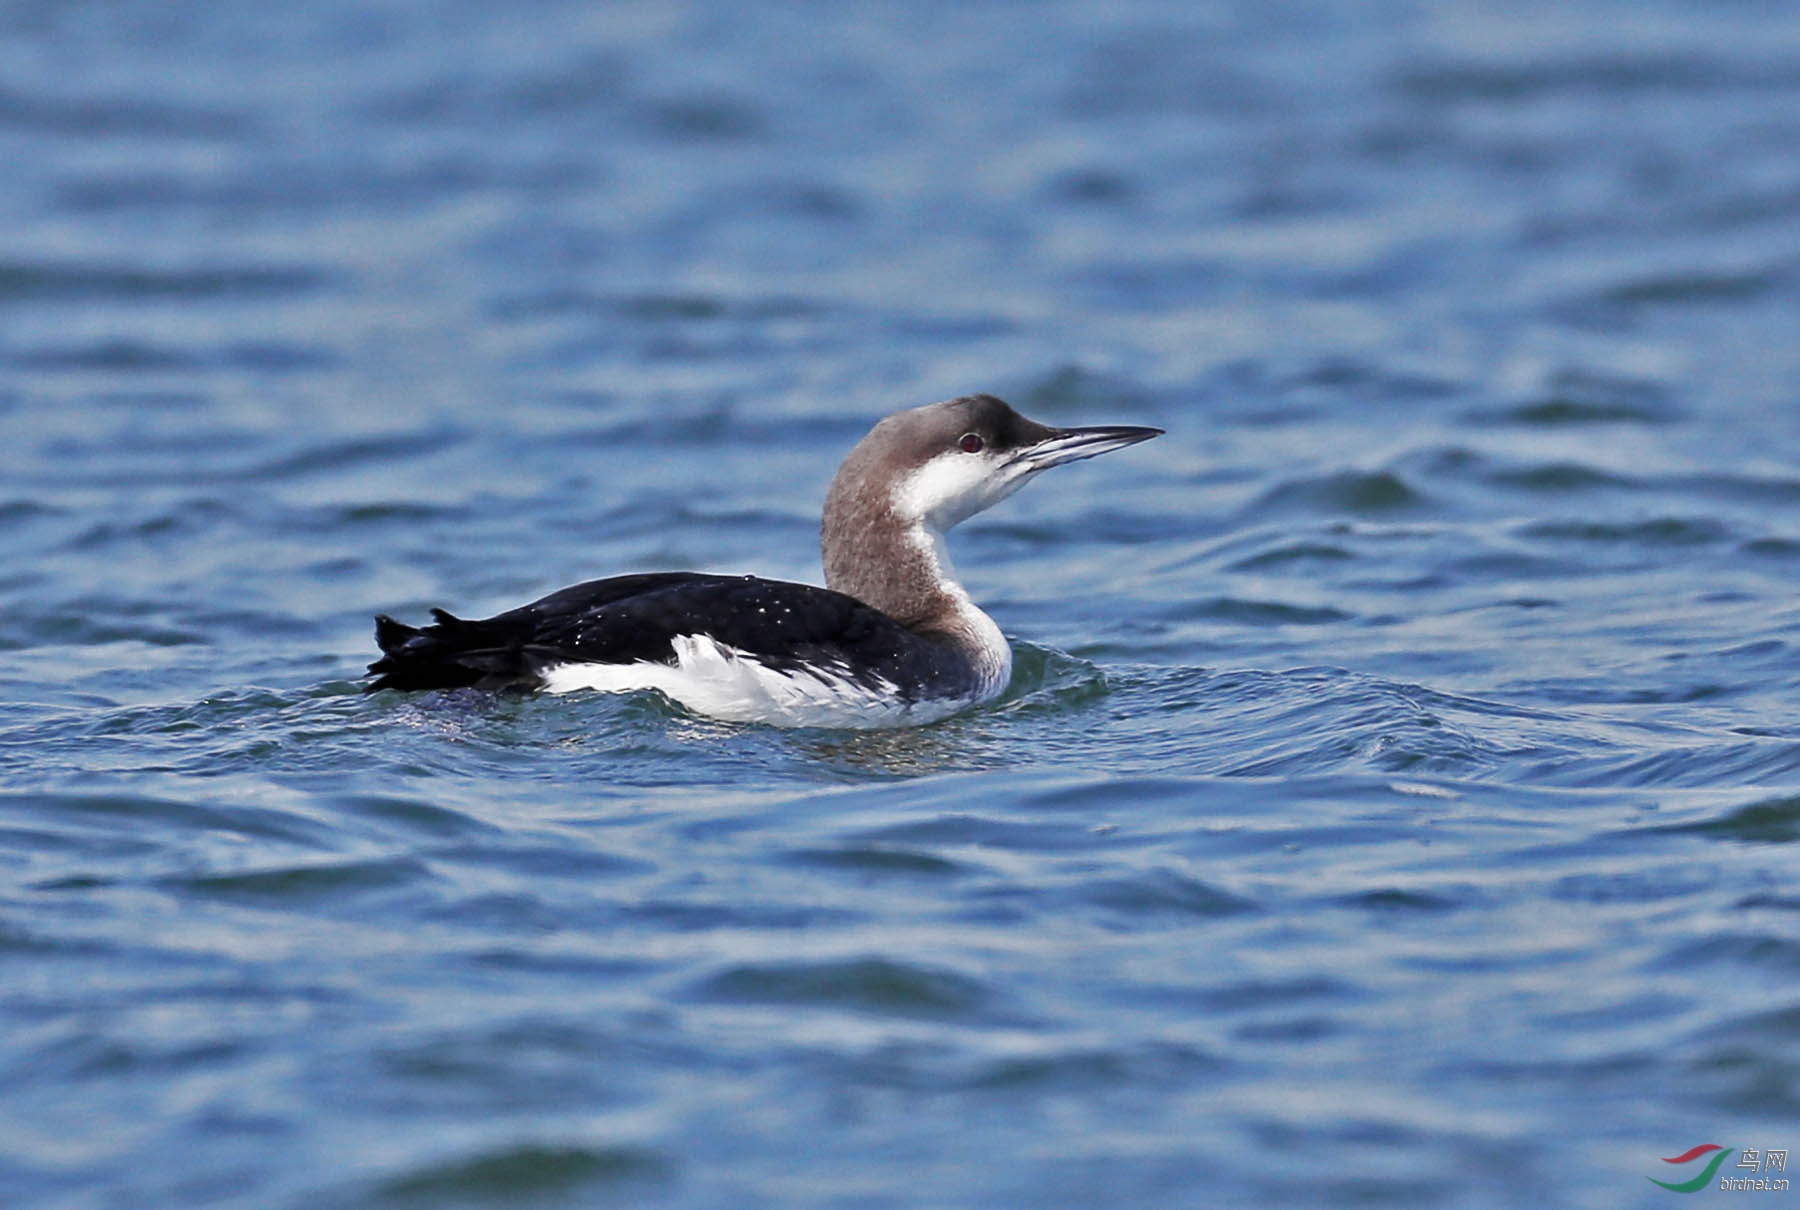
(1397, 798)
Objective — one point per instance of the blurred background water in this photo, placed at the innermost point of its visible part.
(1397, 799)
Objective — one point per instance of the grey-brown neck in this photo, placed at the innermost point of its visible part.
(917, 474)
(880, 550)
(881, 557)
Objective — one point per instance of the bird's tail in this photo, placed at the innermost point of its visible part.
(451, 653)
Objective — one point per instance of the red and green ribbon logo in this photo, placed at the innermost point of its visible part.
(1693, 1153)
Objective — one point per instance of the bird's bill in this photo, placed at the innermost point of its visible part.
(1089, 441)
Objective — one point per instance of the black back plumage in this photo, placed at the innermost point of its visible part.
(793, 628)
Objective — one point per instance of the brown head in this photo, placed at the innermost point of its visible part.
(918, 473)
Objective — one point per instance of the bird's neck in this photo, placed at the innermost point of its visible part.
(906, 574)
(899, 567)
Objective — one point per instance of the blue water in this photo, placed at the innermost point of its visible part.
(1398, 796)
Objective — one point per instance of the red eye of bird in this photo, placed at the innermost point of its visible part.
(971, 443)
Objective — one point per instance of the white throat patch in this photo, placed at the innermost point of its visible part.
(954, 486)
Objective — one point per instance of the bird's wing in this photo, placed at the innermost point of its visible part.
(631, 619)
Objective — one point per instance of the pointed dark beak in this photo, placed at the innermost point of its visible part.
(1072, 445)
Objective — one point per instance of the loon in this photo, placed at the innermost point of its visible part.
(892, 640)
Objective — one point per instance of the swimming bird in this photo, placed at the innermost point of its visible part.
(892, 640)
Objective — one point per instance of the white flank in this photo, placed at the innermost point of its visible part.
(712, 679)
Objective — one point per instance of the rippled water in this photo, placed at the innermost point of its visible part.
(1397, 798)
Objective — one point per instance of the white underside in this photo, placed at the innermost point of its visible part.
(710, 678)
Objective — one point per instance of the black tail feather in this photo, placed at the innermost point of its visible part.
(451, 653)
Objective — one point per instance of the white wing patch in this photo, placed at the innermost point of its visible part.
(710, 678)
